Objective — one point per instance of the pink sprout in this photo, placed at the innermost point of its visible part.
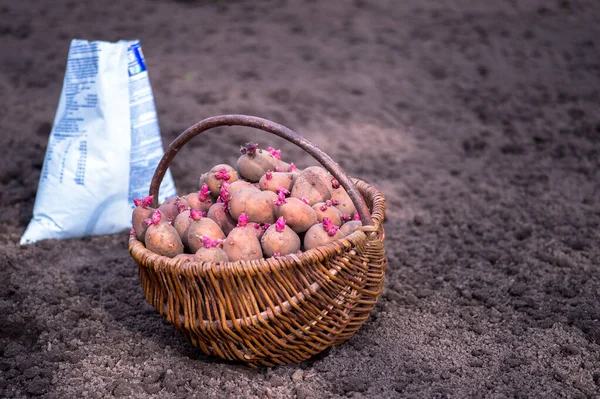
(274, 152)
(196, 214)
(328, 203)
(293, 167)
(268, 175)
(280, 199)
(257, 226)
(335, 183)
(206, 242)
(329, 227)
(132, 231)
(277, 169)
(222, 174)
(323, 208)
(242, 220)
(181, 206)
(345, 217)
(304, 200)
(280, 224)
(225, 197)
(143, 202)
(276, 254)
(356, 216)
(281, 193)
(147, 201)
(204, 193)
(335, 202)
(265, 226)
(148, 222)
(331, 232)
(249, 148)
(156, 217)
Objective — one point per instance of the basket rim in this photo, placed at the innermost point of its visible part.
(147, 258)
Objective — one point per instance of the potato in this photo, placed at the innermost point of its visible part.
(255, 162)
(242, 244)
(239, 184)
(326, 209)
(182, 223)
(258, 205)
(321, 234)
(223, 218)
(272, 197)
(282, 166)
(171, 207)
(211, 251)
(280, 239)
(217, 175)
(313, 184)
(272, 181)
(237, 203)
(342, 201)
(252, 226)
(162, 238)
(213, 254)
(141, 212)
(200, 228)
(350, 227)
(200, 200)
(298, 215)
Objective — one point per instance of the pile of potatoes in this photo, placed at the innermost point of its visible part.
(264, 207)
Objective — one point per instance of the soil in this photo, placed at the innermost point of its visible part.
(480, 122)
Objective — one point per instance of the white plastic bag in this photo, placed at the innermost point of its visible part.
(104, 146)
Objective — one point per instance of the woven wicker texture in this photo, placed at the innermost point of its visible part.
(276, 310)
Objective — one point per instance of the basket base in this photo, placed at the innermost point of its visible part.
(279, 337)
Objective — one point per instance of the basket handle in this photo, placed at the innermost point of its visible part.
(267, 126)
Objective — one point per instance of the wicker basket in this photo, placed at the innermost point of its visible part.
(278, 310)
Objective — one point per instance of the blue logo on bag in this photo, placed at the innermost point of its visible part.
(136, 59)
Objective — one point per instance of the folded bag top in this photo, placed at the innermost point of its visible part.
(271, 311)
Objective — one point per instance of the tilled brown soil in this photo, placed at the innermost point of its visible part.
(480, 122)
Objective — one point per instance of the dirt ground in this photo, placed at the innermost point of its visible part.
(479, 120)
